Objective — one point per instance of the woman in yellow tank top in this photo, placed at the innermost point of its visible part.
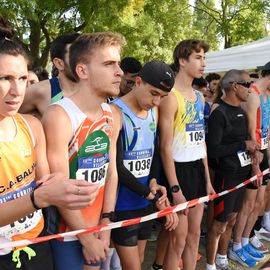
(22, 162)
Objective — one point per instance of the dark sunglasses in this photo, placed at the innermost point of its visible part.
(245, 84)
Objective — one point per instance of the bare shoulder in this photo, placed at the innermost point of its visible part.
(253, 101)
(32, 121)
(168, 104)
(117, 115)
(35, 127)
(55, 115)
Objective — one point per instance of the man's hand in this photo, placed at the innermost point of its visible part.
(94, 250)
(257, 158)
(178, 198)
(172, 219)
(154, 187)
(209, 188)
(252, 146)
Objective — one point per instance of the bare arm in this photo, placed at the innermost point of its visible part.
(167, 111)
(251, 108)
(112, 177)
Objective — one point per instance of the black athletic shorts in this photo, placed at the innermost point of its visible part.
(231, 202)
(263, 166)
(191, 178)
(42, 260)
(129, 236)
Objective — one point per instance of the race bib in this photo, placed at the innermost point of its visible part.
(93, 169)
(22, 225)
(264, 140)
(138, 162)
(194, 133)
(244, 158)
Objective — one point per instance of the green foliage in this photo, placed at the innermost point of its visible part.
(204, 26)
(152, 27)
(237, 21)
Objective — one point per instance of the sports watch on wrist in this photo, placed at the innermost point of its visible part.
(175, 189)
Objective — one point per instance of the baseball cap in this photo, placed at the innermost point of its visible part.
(158, 74)
(265, 67)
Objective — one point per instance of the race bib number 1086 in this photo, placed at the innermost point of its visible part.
(93, 169)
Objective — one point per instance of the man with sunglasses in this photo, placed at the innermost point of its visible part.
(228, 143)
(257, 109)
(131, 68)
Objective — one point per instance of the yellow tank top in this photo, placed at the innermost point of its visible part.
(189, 134)
(17, 178)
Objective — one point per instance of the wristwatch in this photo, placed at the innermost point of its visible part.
(111, 216)
(175, 189)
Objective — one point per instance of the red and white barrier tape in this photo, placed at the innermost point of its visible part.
(133, 221)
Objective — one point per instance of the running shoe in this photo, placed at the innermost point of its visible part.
(258, 245)
(241, 256)
(253, 253)
(223, 266)
(263, 234)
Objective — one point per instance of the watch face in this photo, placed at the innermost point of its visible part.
(175, 188)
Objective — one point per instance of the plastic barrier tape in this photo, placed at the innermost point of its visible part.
(133, 221)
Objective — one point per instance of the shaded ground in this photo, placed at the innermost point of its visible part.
(151, 250)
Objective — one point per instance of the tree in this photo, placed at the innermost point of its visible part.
(151, 27)
(38, 22)
(237, 20)
(204, 25)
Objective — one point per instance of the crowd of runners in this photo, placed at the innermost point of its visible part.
(106, 139)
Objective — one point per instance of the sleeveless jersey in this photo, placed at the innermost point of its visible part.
(262, 121)
(88, 156)
(138, 137)
(56, 91)
(189, 135)
(17, 178)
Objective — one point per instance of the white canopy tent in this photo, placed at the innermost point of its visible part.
(246, 56)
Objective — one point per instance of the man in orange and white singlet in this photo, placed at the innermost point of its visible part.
(81, 133)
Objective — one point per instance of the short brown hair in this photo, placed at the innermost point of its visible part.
(82, 47)
(185, 48)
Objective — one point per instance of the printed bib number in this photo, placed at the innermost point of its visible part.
(22, 225)
(93, 169)
(244, 158)
(264, 141)
(194, 133)
(138, 162)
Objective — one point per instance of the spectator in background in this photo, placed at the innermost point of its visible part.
(254, 77)
(131, 68)
(42, 73)
(39, 96)
(32, 78)
(201, 85)
(213, 80)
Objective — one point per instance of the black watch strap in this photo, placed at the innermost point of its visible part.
(111, 216)
(175, 189)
